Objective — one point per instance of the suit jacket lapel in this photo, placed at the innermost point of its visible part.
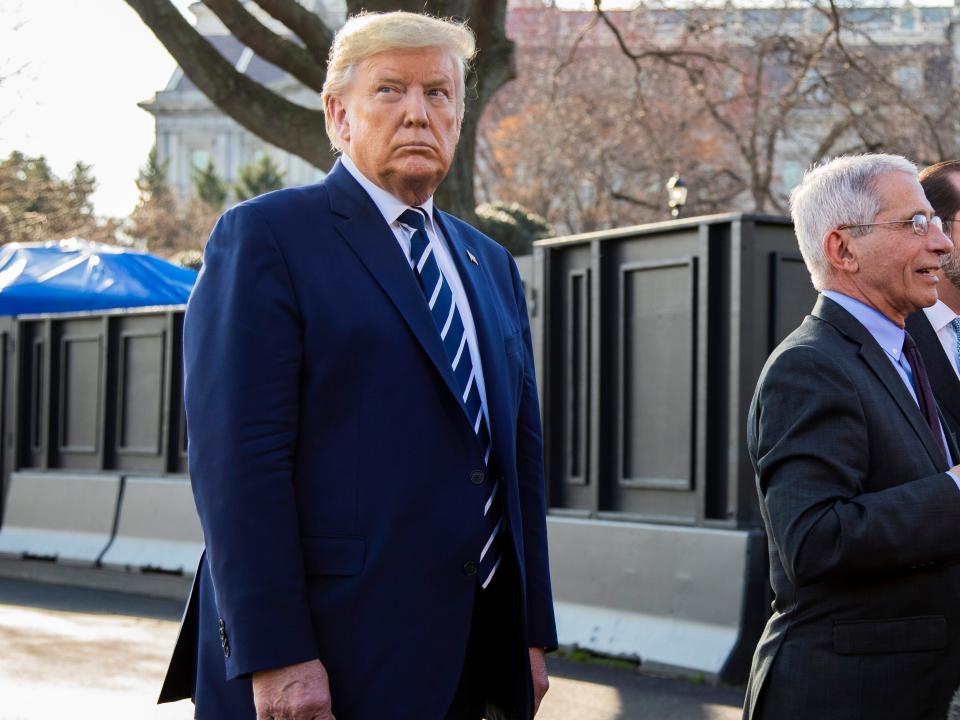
(872, 354)
(374, 243)
(489, 335)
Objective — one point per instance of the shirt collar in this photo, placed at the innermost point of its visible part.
(940, 315)
(887, 333)
(390, 206)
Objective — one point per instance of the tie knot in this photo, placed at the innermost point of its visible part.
(956, 325)
(413, 217)
(908, 343)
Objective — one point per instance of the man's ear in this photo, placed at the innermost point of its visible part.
(836, 246)
(338, 114)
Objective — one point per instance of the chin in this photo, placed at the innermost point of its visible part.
(421, 177)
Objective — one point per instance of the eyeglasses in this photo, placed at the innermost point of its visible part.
(921, 224)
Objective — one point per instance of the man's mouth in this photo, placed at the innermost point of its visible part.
(933, 273)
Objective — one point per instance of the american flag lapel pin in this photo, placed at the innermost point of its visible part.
(473, 258)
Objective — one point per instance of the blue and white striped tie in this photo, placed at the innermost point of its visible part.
(445, 314)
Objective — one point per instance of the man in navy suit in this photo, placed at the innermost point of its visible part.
(365, 444)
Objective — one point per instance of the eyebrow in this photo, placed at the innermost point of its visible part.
(431, 81)
(390, 78)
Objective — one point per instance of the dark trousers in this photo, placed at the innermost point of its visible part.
(495, 682)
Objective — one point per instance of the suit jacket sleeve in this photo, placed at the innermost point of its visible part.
(810, 445)
(242, 355)
(541, 624)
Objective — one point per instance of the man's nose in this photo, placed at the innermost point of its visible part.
(415, 107)
(942, 243)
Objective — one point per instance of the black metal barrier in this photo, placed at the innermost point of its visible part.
(651, 341)
(94, 392)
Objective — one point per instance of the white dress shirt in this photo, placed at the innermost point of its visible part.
(392, 208)
(941, 316)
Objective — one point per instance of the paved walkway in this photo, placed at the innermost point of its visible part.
(95, 655)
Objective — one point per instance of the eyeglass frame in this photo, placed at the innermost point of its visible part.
(923, 222)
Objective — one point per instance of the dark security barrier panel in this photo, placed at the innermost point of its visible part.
(650, 352)
(100, 392)
(649, 341)
(95, 407)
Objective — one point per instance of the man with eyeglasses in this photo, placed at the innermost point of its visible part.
(857, 479)
(936, 329)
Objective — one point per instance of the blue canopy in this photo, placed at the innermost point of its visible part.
(77, 274)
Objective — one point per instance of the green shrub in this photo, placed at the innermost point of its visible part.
(512, 225)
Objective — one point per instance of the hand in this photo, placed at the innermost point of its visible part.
(294, 692)
(538, 671)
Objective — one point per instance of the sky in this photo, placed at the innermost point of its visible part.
(79, 70)
(71, 75)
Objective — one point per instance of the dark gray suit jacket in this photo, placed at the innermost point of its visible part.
(864, 535)
(943, 380)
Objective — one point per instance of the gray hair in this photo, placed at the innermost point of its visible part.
(841, 191)
(367, 34)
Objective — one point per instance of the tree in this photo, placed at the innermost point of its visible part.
(301, 50)
(258, 178)
(797, 81)
(36, 205)
(738, 101)
(211, 190)
(161, 222)
(512, 225)
(152, 178)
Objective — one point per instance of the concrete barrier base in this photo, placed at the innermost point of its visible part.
(60, 516)
(679, 600)
(157, 527)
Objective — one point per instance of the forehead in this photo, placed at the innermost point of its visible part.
(412, 63)
(901, 191)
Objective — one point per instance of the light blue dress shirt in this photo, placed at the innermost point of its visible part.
(889, 336)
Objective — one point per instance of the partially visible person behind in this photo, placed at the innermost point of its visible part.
(937, 328)
(852, 460)
(365, 444)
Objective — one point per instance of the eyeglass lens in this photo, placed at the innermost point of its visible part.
(921, 225)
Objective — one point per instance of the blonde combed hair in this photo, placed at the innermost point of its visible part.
(367, 34)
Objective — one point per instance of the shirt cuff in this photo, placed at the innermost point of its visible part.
(955, 478)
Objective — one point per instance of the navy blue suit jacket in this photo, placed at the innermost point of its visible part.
(331, 458)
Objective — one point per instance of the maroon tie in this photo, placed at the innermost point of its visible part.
(928, 405)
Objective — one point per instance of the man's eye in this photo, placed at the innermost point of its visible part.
(385, 89)
(439, 92)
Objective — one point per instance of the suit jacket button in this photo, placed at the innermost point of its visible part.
(226, 649)
(470, 568)
(477, 477)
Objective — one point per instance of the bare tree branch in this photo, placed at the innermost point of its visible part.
(305, 25)
(285, 124)
(269, 45)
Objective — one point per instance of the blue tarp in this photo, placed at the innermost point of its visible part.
(80, 275)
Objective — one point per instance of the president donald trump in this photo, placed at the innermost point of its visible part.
(365, 445)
